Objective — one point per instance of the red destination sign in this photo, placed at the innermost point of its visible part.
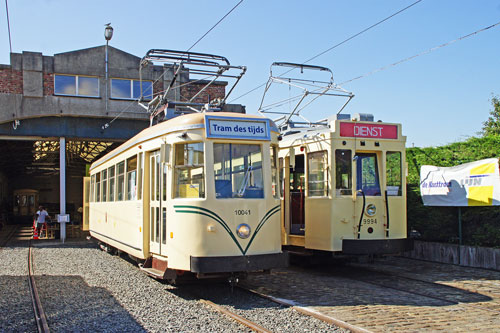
(375, 131)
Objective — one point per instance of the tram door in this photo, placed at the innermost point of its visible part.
(158, 207)
(297, 197)
(368, 181)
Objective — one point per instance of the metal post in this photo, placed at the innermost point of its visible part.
(62, 184)
(459, 234)
(106, 61)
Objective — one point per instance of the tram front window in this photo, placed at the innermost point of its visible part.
(367, 174)
(238, 171)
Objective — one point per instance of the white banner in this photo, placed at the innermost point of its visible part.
(471, 184)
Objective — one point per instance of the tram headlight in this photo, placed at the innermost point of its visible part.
(370, 210)
(243, 230)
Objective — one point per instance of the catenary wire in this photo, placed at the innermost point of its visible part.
(8, 24)
(214, 25)
(420, 54)
(335, 46)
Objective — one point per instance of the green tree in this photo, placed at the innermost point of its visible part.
(492, 125)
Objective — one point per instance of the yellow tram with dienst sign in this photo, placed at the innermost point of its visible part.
(342, 179)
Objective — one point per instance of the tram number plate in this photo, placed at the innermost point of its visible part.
(369, 221)
(242, 212)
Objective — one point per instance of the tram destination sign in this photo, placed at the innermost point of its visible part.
(237, 128)
(362, 130)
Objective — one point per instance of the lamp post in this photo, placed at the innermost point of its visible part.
(108, 34)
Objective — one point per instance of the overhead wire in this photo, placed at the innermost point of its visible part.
(216, 24)
(421, 54)
(8, 24)
(335, 46)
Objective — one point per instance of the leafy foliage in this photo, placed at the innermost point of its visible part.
(492, 125)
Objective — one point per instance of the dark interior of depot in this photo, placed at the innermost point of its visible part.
(29, 177)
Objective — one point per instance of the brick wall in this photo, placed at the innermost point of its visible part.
(214, 91)
(11, 81)
(48, 84)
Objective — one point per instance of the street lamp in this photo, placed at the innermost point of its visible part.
(108, 34)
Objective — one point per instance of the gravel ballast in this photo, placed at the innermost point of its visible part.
(85, 289)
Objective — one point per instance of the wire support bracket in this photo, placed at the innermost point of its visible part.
(310, 91)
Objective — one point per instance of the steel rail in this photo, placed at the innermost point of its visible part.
(253, 326)
(307, 312)
(40, 317)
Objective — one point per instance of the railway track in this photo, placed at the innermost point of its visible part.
(258, 312)
(40, 317)
(39, 314)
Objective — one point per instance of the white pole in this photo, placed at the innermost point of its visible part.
(62, 184)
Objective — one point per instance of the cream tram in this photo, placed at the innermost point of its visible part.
(342, 179)
(197, 193)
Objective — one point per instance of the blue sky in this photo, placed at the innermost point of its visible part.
(439, 98)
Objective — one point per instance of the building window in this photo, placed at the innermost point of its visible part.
(75, 85)
(317, 174)
(189, 170)
(131, 89)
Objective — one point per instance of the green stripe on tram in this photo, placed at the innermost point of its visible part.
(208, 213)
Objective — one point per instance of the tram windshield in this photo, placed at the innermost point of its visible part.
(367, 174)
(238, 171)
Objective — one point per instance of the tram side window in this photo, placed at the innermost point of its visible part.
(281, 175)
(189, 170)
(238, 171)
(104, 175)
(394, 172)
(92, 189)
(274, 172)
(120, 180)
(343, 172)
(112, 187)
(131, 178)
(317, 177)
(139, 177)
(98, 187)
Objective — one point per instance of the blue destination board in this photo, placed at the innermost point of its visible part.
(237, 128)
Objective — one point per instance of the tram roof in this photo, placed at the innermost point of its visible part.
(180, 123)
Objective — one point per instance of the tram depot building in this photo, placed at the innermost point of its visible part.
(74, 101)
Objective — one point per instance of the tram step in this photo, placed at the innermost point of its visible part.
(155, 273)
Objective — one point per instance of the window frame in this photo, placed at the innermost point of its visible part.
(131, 84)
(176, 188)
(248, 171)
(339, 189)
(325, 171)
(389, 177)
(77, 94)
